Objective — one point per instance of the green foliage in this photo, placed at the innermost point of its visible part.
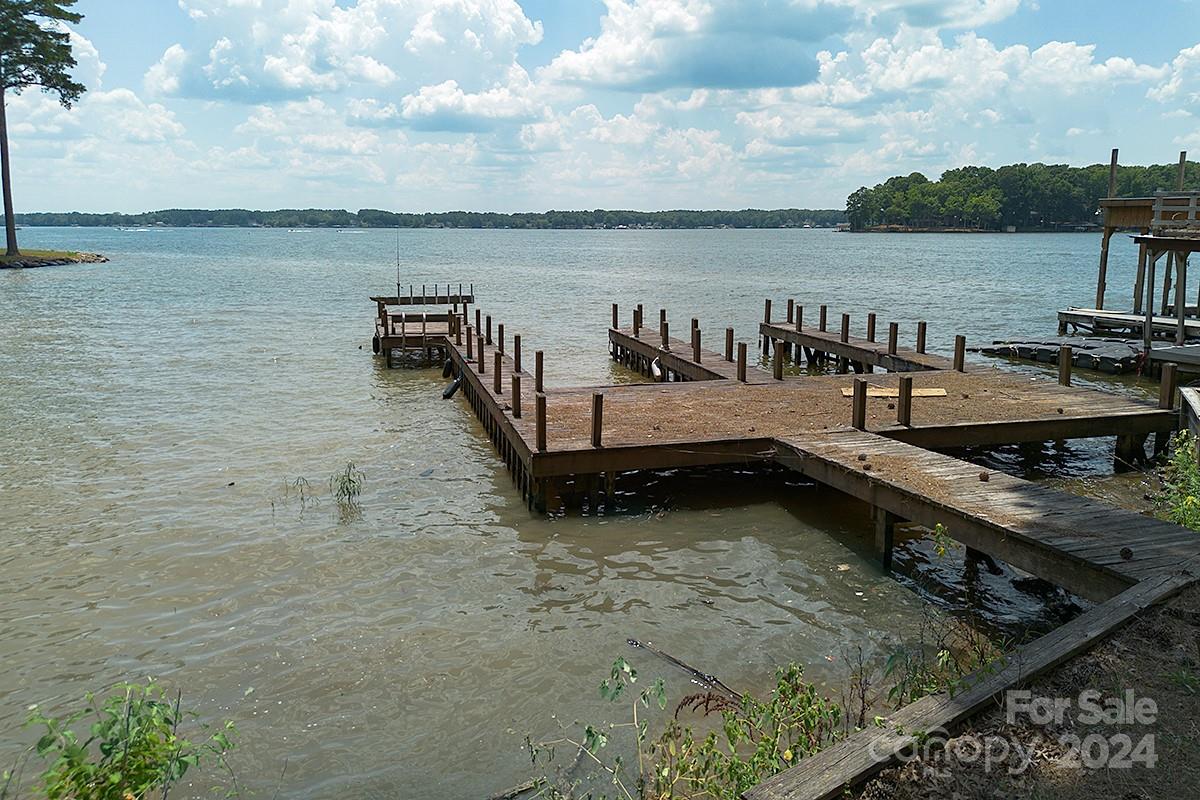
(757, 739)
(35, 47)
(1178, 498)
(949, 654)
(129, 747)
(1027, 196)
(941, 540)
(373, 218)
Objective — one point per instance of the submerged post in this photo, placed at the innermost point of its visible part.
(904, 401)
(539, 421)
(859, 409)
(1064, 365)
(960, 353)
(741, 362)
(729, 344)
(777, 362)
(921, 336)
(597, 417)
(537, 372)
(516, 396)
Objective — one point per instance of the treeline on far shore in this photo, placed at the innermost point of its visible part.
(373, 218)
(1023, 196)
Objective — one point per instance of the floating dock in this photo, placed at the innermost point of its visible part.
(870, 428)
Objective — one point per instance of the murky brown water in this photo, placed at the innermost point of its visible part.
(154, 409)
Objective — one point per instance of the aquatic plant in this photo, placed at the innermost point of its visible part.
(346, 487)
(949, 655)
(129, 747)
(1178, 498)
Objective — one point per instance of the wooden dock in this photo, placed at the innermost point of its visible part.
(704, 406)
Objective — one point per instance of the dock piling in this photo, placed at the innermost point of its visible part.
(615, 317)
(664, 329)
(767, 311)
(921, 336)
(488, 338)
(537, 373)
(845, 328)
(741, 362)
(696, 345)
(500, 337)
(637, 323)
(516, 396)
(470, 343)
(823, 318)
(597, 417)
(791, 309)
(497, 361)
(859, 409)
(1064, 365)
(893, 337)
(777, 361)
(799, 318)
(904, 401)
(479, 354)
(885, 531)
(729, 344)
(516, 352)
(871, 327)
(539, 414)
(1167, 385)
(960, 353)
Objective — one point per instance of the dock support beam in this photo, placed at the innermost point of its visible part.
(885, 534)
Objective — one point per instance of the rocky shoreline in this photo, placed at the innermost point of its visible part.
(27, 262)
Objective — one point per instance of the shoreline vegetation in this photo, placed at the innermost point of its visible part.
(374, 218)
(29, 259)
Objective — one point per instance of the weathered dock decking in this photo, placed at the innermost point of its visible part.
(706, 407)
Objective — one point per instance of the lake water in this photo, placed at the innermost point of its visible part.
(154, 409)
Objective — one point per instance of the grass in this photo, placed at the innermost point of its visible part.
(48, 254)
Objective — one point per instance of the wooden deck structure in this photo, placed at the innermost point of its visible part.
(702, 407)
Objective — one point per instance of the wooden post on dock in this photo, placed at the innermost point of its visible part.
(481, 361)
(500, 337)
(597, 418)
(741, 362)
(960, 353)
(538, 386)
(516, 352)
(845, 328)
(478, 320)
(637, 323)
(665, 330)
(791, 309)
(777, 362)
(1101, 278)
(539, 421)
(859, 409)
(615, 317)
(488, 339)
(921, 336)
(458, 332)
(662, 316)
(696, 345)
(516, 396)
(799, 319)
(470, 343)
(904, 401)
(1064, 365)
(695, 323)
(823, 318)
(767, 311)
(1166, 387)
(497, 361)
(893, 337)
(871, 327)
(729, 344)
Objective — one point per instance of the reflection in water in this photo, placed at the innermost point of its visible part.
(144, 529)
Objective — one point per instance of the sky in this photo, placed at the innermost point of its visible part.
(433, 105)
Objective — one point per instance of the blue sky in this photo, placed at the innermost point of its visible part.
(504, 105)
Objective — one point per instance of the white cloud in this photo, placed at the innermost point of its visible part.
(1182, 84)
